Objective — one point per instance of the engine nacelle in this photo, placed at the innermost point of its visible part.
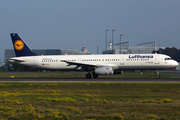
(104, 71)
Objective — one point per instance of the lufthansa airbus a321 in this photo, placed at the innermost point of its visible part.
(94, 64)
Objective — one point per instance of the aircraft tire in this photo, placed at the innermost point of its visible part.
(95, 75)
(158, 76)
(88, 75)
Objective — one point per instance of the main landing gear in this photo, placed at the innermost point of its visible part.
(95, 75)
(89, 75)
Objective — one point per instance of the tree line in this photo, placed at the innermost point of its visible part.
(173, 52)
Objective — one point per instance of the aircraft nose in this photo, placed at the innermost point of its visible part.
(175, 63)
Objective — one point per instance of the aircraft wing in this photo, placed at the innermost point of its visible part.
(82, 64)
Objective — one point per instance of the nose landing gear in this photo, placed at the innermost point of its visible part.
(158, 75)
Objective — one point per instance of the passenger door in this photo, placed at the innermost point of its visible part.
(35, 61)
(122, 61)
(156, 61)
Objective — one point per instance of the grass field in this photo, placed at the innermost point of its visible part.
(90, 101)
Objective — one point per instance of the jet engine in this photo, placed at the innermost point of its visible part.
(104, 71)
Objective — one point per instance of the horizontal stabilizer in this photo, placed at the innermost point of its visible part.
(16, 60)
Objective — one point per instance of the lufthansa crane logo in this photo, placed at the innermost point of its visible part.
(18, 45)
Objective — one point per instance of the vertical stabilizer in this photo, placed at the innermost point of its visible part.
(20, 47)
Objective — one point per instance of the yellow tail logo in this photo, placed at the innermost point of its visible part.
(18, 45)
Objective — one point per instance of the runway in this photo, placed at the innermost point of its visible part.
(120, 80)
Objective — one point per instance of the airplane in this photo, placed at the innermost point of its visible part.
(105, 64)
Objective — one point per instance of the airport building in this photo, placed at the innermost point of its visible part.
(124, 48)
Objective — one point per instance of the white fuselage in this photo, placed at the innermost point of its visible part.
(116, 61)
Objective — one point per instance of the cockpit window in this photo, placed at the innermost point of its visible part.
(167, 58)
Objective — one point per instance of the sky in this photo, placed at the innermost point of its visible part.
(71, 24)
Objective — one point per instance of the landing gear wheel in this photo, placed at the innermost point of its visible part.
(88, 75)
(158, 76)
(95, 75)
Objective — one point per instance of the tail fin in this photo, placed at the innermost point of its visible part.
(20, 47)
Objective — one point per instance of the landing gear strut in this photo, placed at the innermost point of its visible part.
(158, 75)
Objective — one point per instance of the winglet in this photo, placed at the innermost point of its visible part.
(20, 47)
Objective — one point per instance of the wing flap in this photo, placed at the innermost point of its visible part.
(82, 64)
(89, 65)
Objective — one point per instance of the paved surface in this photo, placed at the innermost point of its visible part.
(169, 80)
